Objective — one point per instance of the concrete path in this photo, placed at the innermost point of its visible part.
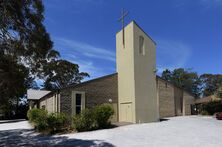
(189, 131)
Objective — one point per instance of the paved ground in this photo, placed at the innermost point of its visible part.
(193, 131)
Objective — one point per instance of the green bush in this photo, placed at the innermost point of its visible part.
(85, 121)
(103, 113)
(213, 107)
(204, 113)
(91, 119)
(57, 122)
(38, 117)
(48, 123)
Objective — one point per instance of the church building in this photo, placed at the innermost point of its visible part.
(135, 92)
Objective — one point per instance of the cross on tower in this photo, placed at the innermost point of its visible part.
(123, 15)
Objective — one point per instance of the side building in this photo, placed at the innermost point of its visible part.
(173, 101)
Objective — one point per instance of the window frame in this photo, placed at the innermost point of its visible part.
(142, 45)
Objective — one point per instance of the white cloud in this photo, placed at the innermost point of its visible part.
(172, 54)
(89, 67)
(86, 49)
(84, 55)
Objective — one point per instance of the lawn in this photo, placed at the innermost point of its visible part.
(192, 131)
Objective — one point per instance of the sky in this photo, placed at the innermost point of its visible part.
(188, 33)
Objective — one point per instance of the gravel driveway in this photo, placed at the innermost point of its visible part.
(187, 131)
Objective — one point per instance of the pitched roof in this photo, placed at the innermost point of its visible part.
(206, 99)
(33, 94)
(38, 94)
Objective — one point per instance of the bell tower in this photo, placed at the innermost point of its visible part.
(136, 64)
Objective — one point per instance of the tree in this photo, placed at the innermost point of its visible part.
(219, 92)
(61, 73)
(24, 45)
(167, 75)
(211, 83)
(185, 79)
(26, 51)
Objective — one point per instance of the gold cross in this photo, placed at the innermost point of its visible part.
(123, 15)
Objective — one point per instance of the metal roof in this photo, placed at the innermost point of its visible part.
(33, 94)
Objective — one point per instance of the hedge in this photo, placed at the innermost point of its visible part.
(48, 123)
(94, 118)
(212, 107)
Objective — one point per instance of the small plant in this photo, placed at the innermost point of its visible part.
(213, 107)
(57, 122)
(103, 113)
(48, 123)
(38, 117)
(85, 121)
(204, 113)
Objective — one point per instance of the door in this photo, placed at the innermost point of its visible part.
(126, 112)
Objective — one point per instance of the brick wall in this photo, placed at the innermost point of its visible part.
(97, 91)
(178, 97)
(171, 99)
(166, 99)
(189, 100)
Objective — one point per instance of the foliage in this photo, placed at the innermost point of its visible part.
(103, 114)
(204, 113)
(61, 73)
(184, 78)
(219, 92)
(24, 46)
(26, 52)
(213, 107)
(48, 123)
(211, 83)
(39, 118)
(85, 121)
(57, 122)
(95, 118)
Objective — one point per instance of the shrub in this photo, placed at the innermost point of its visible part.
(38, 117)
(103, 114)
(85, 121)
(57, 122)
(213, 107)
(204, 113)
(48, 123)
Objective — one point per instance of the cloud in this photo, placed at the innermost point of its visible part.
(86, 49)
(172, 54)
(89, 67)
(89, 58)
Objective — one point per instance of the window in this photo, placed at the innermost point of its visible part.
(78, 103)
(141, 46)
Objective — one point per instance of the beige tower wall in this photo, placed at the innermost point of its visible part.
(125, 70)
(145, 78)
(137, 96)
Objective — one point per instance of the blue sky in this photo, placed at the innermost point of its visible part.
(188, 32)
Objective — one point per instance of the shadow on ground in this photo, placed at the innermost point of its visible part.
(26, 137)
(11, 121)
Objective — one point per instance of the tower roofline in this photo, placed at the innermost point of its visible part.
(133, 21)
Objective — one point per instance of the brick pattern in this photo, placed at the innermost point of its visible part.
(97, 92)
(100, 90)
(65, 101)
(178, 99)
(166, 99)
(189, 100)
